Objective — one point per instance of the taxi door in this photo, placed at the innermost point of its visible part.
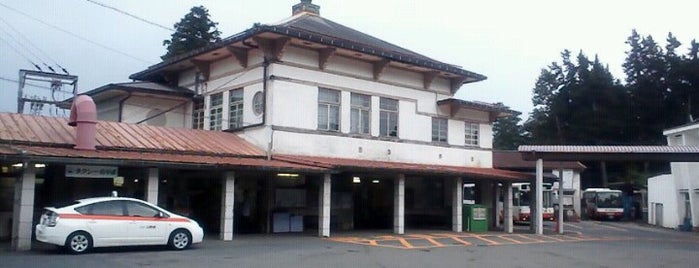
(106, 222)
(145, 226)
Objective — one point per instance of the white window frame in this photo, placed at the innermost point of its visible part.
(325, 110)
(235, 108)
(386, 114)
(440, 129)
(471, 132)
(198, 111)
(360, 113)
(216, 111)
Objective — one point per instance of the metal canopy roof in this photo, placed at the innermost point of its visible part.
(610, 153)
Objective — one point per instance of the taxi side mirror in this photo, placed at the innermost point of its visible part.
(161, 215)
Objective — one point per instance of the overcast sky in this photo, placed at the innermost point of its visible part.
(508, 41)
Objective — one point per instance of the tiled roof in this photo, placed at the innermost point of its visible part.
(314, 28)
(610, 153)
(410, 168)
(607, 149)
(513, 160)
(55, 132)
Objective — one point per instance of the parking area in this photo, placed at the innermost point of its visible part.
(585, 244)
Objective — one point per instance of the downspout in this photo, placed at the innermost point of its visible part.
(121, 106)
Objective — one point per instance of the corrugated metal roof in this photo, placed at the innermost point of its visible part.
(152, 158)
(513, 160)
(52, 131)
(607, 149)
(371, 165)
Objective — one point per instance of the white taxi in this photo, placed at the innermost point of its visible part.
(115, 221)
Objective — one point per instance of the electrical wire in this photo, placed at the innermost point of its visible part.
(19, 44)
(131, 15)
(20, 53)
(76, 35)
(34, 46)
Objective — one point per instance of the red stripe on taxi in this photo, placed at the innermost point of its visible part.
(122, 218)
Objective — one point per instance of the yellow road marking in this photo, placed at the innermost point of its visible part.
(486, 240)
(405, 243)
(531, 238)
(461, 241)
(511, 240)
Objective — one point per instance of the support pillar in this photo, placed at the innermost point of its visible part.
(539, 229)
(152, 186)
(496, 212)
(507, 207)
(324, 207)
(227, 208)
(456, 205)
(23, 211)
(399, 205)
(560, 201)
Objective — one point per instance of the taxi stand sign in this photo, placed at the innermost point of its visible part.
(84, 171)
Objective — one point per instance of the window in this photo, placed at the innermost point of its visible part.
(360, 113)
(235, 100)
(388, 117)
(140, 210)
(258, 103)
(215, 111)
(198, 114)
(111, 208)
(471, 134)
(439, 129)
(328, 109)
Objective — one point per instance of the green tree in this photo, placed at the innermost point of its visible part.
(508, 133)
(194, 31)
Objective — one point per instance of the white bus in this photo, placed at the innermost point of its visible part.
(602, 203)
(521, 195)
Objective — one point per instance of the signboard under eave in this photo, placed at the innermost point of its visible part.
(84, 171)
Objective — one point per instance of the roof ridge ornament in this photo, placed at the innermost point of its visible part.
(307, 7)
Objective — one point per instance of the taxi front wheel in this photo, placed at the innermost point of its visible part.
(78, 242)
(180, 239)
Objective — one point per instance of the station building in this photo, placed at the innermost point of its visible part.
(300, 125)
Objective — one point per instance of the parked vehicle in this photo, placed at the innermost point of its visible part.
(522, 194)
(115, 221)
(602, 203)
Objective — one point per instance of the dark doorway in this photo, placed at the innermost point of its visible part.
(373, 204)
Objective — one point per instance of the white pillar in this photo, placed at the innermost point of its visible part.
(507, 207)
(324, 207)
(496, 202)
(539, 229)
(399, 205)
(23, 211)
(456, 205)
(560, 200)
(227, 199)
(152, 186)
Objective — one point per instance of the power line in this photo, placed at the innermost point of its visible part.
(20, 53)
(131, 15)
(75, 35)
(19, 44)
(34, 46)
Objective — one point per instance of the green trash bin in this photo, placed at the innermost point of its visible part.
(475, 218)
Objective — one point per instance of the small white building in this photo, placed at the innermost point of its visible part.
(672, 198)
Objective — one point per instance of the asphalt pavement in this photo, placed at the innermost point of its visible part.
(584, 244)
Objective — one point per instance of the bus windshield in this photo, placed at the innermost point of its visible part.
(609, 200)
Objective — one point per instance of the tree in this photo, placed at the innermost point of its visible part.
(194, 31)
(508, 133)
